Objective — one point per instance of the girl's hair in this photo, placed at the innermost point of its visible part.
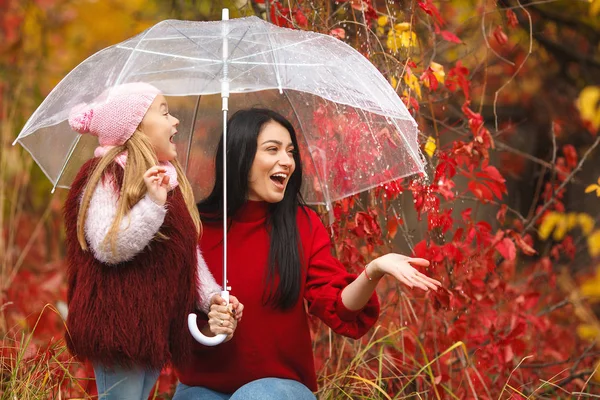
(285, 251)
(140, 157)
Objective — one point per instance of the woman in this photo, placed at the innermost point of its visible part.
(279, 255)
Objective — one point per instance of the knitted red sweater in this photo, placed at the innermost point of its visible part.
(135, 312)
(268, 342)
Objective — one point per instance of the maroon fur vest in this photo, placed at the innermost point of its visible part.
(133, 313)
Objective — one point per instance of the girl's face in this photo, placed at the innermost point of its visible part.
(273, 164)
(160, 127)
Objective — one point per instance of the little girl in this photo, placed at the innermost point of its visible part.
(134, 269)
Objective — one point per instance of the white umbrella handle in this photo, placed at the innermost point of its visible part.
(199, 336)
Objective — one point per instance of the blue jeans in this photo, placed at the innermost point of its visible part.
(260, 389)
(117, 383)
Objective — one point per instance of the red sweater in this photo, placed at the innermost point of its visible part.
(269, 342)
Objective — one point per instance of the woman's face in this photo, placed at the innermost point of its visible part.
(273, 164)
(160, 127)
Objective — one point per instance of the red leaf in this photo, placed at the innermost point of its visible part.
(507, 249)
(522, 243)
(500, 36)
(466, 215)
(338, 33)
(441, 299)
(450, 37)
(570, 155)
(458, 77)
(501, 214)
(280, 15)
(300, 18)
(431, 9)
(430, 79)
(513, 22)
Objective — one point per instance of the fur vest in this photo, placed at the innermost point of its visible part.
(133, 313)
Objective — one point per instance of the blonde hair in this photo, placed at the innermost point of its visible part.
(140, 157)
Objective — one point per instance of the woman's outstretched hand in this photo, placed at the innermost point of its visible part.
(401, 268)
(223, 318)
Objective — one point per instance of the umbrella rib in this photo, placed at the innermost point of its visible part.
(276, 49)
(197, 44)
(219, 37)
(189, 147)
(160, 53)
(277, 64)
(64, 166)
(129, 57)
(376, 72)
(303, 135)
(217, 62)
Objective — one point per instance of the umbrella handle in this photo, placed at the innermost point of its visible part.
(199, 336)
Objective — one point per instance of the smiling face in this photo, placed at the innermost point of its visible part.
(273, 164)
(160, 127)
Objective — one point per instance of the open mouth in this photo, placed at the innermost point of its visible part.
(172, 136)
(279, 179)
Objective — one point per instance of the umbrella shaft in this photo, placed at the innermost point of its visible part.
(225, 285)
(225, 97)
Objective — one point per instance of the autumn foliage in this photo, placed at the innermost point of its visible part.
(507, 97)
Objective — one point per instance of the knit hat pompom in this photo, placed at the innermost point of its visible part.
(81, 118)
(114, 115)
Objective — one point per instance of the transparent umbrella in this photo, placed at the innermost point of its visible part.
(354, 131)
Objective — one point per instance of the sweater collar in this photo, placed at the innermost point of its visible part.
(252, 211)
(121, 159)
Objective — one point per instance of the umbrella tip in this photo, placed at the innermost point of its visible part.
(225, 14)
(16, 140)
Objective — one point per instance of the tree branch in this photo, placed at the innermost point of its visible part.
(562, 185)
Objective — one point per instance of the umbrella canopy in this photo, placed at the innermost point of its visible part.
(355, 131)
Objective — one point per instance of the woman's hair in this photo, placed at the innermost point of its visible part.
(285, 260)
(140, 157)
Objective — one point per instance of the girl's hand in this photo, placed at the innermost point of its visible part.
(223, 318)
(401, 268)
(157, 184)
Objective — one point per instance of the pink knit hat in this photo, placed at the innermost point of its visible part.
(115, 114)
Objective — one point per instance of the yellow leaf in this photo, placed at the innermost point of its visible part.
(413, 82)
(561, 228)
(382, 21)
(400, 36)
(571, 221)
(586, 222)
(594, 243)
(394, 82)
(404, 26)
(595, 8)
(392, 42)
(548, 224)
(587, 332)
(408, 39)
(430, 146)
(589, 105)
(438, 71)
(591, 289)
(592, 187)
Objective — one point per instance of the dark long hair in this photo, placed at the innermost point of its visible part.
(285, 260)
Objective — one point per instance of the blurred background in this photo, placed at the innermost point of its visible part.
(507, 97)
